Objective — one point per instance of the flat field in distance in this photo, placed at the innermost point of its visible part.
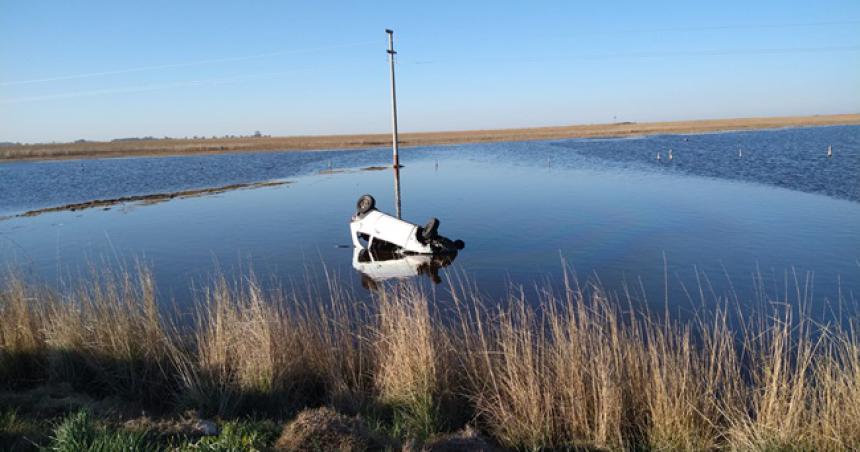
(169, 146)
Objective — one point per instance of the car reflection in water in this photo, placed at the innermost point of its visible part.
(380, 264)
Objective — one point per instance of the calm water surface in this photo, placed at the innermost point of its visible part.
(606, 206)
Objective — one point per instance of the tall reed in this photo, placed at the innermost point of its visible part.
(22, 332)
(106, 333)
(544, 368)
(273, 351)
(409, 367)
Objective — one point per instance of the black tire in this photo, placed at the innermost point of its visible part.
(459, 244)
(431, 229)
(365, 204)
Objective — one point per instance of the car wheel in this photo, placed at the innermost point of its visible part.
(365, 204)
(431, 229)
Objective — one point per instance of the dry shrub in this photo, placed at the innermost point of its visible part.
(325, 429)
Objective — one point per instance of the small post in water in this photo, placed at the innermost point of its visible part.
(391, 54)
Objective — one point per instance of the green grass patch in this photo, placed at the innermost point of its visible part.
(81, 433)
(236, 436)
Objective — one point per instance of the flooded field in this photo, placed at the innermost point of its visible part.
(731, 213)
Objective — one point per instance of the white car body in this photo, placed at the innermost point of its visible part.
(381, 226)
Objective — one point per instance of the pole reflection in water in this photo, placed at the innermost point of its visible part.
(397, 191)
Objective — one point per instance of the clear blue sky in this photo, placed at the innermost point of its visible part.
(107, 69)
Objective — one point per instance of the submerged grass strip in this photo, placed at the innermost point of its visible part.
(150, 198)
(572, 369)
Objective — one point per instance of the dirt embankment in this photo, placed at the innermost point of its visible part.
(154, 147)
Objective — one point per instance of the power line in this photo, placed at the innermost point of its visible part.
(721, 52)
(186, 64)
(154, 87)
(656, 54)
(713, 28)
(217, 81)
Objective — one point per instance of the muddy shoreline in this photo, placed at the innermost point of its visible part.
(179, 147)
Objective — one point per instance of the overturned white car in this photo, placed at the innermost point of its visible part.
(381, 231)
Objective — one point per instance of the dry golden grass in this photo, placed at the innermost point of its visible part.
(409, 359)
(22, 332)
(269, 350)
(579, 368)
(107, 334)
(93, 149)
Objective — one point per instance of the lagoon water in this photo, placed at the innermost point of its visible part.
(708, 219)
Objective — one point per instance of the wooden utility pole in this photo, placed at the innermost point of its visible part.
(394, 139)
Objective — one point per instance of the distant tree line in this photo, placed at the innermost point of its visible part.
(256, 134)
